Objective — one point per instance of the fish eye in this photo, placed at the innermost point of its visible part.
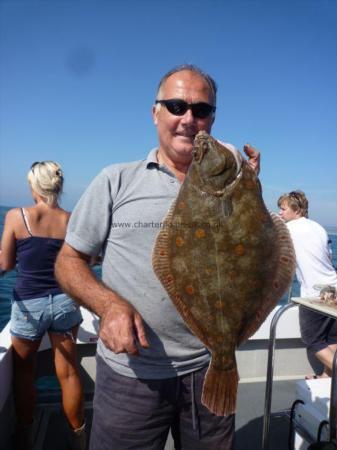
(197, 154)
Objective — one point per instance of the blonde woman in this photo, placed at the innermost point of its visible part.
(32, 238)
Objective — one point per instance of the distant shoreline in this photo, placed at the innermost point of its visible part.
(331, 230)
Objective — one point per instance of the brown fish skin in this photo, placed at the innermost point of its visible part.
(224, 261)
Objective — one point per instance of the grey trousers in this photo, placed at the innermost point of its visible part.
(137, 414)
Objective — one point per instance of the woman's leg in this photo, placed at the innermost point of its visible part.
(65, 357)
(24, 361)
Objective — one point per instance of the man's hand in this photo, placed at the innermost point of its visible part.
(122, 328)
(253, 157)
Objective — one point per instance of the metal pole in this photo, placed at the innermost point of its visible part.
(270, 374)
(333, 400)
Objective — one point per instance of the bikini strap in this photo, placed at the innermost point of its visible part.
(25, 219)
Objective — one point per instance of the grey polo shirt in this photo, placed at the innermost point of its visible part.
(120, 214)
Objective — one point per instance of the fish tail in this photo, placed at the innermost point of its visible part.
(220, 390)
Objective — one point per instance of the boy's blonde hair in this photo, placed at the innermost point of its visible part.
(297, 201)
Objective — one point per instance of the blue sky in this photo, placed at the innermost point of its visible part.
(78, 79)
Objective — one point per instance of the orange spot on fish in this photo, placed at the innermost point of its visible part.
(256, 284)
(181, 205)
(249, 184)
(200, 233)
(240, 249)
(169, 278)
(189, 289)
(179, 241)
(219, 304)
(284, 259)
(162, 253)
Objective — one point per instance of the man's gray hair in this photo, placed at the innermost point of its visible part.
(191, 68)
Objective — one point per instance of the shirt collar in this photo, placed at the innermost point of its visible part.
(152, 158)
(152, 161)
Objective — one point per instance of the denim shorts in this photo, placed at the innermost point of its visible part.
(31, 319)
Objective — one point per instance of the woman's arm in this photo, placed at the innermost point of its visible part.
(8, 242)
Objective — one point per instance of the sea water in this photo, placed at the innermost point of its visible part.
(8, 280)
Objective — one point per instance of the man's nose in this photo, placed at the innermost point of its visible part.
(187, 117)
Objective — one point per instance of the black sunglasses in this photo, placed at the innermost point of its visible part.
(34, 165)
(295, 195)
(179, 107)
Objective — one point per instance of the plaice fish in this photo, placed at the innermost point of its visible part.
(224, 260)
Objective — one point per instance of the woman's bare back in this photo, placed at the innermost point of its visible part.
(43, 220)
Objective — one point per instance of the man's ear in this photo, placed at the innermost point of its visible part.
(155, 114)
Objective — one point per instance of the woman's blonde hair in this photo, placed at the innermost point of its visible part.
(46, 179)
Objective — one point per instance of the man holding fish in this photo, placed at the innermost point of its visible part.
(150, 366)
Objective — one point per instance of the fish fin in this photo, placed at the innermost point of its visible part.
(220, 390)
(281, 281)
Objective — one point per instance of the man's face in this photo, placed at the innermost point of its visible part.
(288, 214)
(176, 133)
